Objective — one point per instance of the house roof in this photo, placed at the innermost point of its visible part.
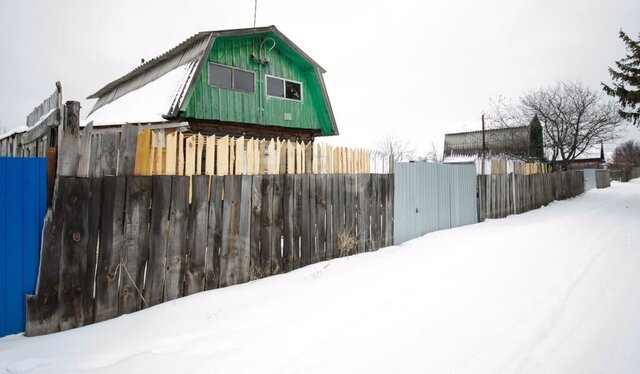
(511, 140)
(188, 55)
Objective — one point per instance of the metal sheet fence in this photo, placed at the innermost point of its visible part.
(134, 242)
(23, 198)
(430, 197)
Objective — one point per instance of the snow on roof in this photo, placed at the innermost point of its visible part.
(149, 103)
(21, 129)
(14, 131)
(455, 159)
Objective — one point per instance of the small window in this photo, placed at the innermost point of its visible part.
(231, 78)
(242, 80)
(285, 89)
(275, 87)
(220, 76)
(293, 90)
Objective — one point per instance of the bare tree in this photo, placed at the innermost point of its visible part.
(433, 155)
(627, 153)
(394, 149)
(574, 118)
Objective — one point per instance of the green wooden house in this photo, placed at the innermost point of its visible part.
(253, 82)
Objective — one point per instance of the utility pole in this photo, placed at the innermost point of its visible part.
(484, 146)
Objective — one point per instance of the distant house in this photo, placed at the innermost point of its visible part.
(254, 82)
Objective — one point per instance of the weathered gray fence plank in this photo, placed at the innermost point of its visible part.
(256, 269)
(277, 207)
(297, 220)
(321, 210)
(313, 231)
(266, 224)
(197, 235)
(243, 242)
(214, 233)
(73, 260)
(95, 205)
(110, 252)
(305, 229)
(42, 308)
(229, 263)
(177, 240)
(288, 225)
(330, 235)
(135, 251)
(159, 235)
(128, 143)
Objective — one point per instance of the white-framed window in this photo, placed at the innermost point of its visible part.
(284, 88)
(224, 76)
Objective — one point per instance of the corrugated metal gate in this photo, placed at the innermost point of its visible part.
(430, 197)
(23, 202)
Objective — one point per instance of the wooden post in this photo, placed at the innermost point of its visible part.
(128, 141)
(69, 141)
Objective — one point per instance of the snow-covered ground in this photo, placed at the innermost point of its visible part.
(556, 290)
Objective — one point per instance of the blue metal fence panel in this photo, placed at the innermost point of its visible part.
(430, 197)
(23, 199)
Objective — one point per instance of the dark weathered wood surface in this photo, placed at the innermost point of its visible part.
(256, 268)
(276, 262)
(177, 240)
(69, 142)
(197, 235)
(135, 250)
(128, 143)
(214, 233)
(502, 195)
(288, 217)
(312, 230)
(243, 240)
(297, 220)
(266, 225)
(305, 226)
(154, 246)
(158, 237)
(109, 255)
(42, 308)
(321, 211)
(73, 252)
(229, 263)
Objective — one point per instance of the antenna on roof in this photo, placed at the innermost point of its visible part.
(255, 11)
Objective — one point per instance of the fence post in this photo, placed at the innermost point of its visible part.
(69, 141)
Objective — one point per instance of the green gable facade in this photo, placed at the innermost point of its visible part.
(251, 53)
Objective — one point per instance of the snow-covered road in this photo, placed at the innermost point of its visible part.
(556, 290)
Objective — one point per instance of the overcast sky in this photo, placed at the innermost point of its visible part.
(417, 69)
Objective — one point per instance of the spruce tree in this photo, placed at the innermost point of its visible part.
(626, 81)
(536, 146)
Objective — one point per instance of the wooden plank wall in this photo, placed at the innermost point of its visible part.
(134, 242)
(500, 167)
(503, 195)
(166, 152)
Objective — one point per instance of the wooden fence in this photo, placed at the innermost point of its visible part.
(167, 151)
(503, 166)
(39, 133)
(603, 178)
(117, 244)
(502, 195)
